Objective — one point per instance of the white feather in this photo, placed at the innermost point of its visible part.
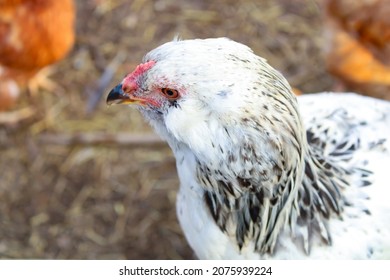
(355, 236)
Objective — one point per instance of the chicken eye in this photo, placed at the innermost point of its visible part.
(170, 93)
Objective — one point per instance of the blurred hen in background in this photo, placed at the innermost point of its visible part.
(33, 35)
(358, 45)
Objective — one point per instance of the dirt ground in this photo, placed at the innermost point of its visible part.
(71, 186)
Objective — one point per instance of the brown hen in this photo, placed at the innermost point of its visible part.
(358, 45)
(33, 34)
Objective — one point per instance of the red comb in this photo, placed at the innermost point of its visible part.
(129, 83)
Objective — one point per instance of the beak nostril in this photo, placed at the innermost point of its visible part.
(126, 88)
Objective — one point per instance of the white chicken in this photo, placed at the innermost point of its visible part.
(261, 175)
